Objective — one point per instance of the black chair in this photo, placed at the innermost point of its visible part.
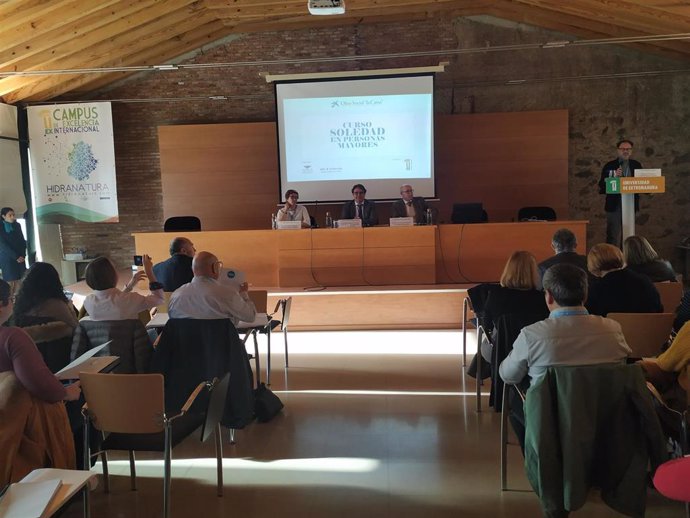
(182, 224)
(536, 213)
(469, 213)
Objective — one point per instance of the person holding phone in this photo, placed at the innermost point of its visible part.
(107, 302)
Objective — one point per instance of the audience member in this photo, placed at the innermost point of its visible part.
(292, 211)
(20, 355)
(107, 302)
(616, 288)
(518, 291)
(41, 296)
(640, 257)
(682, 312)
(177, 270)
(360, 208)
(569, 336)
(205, 298)
(409, 205)
(12, 248)
(564, 244)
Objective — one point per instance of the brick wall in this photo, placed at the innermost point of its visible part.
(652, 111)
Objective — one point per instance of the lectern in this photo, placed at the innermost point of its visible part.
(627, 187)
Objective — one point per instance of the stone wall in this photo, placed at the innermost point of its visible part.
(652, 111)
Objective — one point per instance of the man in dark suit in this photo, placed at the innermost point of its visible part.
(564, 244)
(177, 270)
(621, 166)
(360, 208)
(409, 206)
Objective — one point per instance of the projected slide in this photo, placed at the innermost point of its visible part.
(348, 138)
(377, 131)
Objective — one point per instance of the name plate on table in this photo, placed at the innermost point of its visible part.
(402, 222)
(289, 225)
(348, 223)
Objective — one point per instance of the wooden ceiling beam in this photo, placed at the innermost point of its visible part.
(115, 17)
(51, 16)
(109, 52)
(168, 48)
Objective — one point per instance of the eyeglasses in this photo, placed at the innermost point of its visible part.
(625, 149)
(358, 192)
(293, 197)
(408, 191)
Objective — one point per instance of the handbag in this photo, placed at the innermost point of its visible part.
(266, 404)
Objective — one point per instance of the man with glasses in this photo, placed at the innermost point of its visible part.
(205, 298)
(409, 206)
(291, 211)
(360, 207)
(621, 166)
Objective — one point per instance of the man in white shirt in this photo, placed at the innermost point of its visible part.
(205, 298)
(570, 336)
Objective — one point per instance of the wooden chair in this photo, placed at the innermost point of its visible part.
(114, 405)
(670, 294)
(645, 333)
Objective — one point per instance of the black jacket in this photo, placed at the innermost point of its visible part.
(623, 291)
(191, 351)
(174, 272)
(368, 220)
(12, 246)
(613, 201)
(563, 258)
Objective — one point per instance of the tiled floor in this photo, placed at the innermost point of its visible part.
(364, 433)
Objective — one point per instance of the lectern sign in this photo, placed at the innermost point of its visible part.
(634, 185)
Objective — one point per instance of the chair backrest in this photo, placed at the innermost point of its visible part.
(129, 341)
(645, 333)
(216, 406)
(115, 402)
(287, 303)
(540, 213)
(182, 224)
(468, 213)
(260, 300)
(670, 294)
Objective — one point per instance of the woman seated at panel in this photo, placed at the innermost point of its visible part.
(107, 302)
(519, 294)
(617, 289)
(45, 431)
(41, 298)
(292, 211)
(640, 257)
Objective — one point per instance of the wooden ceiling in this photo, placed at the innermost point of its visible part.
(41, 40)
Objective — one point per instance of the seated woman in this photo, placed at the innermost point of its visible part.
(517, 294)
(618, 289)
(640, 257)
(107, 302)
(41, 297)
(45, 430)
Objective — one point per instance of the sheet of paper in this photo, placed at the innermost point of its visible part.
(28, 499)
(71, 371)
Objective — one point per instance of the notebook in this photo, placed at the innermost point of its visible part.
(87, 362)
(28, 499)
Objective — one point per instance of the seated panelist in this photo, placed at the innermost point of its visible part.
(292, 211)
(360, 207)
(409, 206)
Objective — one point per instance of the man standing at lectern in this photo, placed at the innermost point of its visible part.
(621, 166)
(409, 206)
(360, 208)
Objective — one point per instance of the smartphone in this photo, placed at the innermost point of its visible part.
(138, 260)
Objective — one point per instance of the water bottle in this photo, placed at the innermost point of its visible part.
(274, 225)
(429, 217)
(329, 220)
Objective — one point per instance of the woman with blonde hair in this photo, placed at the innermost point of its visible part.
(618, 289)
(643, 259)
(519, 290)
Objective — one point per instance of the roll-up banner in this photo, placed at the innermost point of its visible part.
(73, 163)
